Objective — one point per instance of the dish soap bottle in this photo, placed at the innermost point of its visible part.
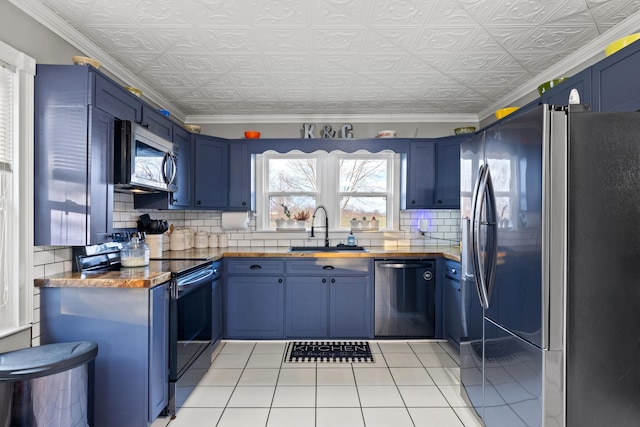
(351, 240)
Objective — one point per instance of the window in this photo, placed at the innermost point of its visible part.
(348, 185)
(16, 189)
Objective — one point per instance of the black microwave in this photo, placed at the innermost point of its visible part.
(143, 161)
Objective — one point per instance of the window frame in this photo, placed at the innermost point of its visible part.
(328, 194)
(24, 68)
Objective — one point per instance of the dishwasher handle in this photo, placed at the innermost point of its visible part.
(403, 265)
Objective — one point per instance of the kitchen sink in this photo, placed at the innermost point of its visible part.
(338, 248)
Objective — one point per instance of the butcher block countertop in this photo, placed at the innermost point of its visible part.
(159, 271)
(448, 252)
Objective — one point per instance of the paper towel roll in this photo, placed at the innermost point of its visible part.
(235, 220)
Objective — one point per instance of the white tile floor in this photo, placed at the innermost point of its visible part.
(411, 383)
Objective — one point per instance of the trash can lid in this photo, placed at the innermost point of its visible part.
(48, 359)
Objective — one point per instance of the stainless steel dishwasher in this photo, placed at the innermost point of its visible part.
(405, 298)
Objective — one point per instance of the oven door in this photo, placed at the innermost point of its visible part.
(190, 320)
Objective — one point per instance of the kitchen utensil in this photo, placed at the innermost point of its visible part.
(465, 129)
(620, 43)
(252, 134)
(551, 83)
(504, 112)
(85, 60)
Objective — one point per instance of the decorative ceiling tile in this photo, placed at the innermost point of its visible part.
(400, 12)
(338, 40)
(296, 63)
(123, 39)
(276, 13)
(231, 40)
(390, 39)
(285, 40)
(246, 57)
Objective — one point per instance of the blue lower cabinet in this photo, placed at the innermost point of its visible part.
(351, 307)
(131, 328)
(307, 307)
(254, 306)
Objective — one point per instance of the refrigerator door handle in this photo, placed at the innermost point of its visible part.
(476, 211)
(492, 233)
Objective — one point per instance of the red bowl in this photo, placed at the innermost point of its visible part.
(252, 134)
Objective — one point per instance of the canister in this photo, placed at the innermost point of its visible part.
(213, 240)
(201, 240)
(176, 243)
(188, 238)
(154, 241)
(223, 241)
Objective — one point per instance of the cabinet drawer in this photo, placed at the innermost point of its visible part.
(328, 266)
(255, 266)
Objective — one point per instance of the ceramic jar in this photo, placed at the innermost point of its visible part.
(201, 240)
(213, 240)
(223, 241)
(177, 240)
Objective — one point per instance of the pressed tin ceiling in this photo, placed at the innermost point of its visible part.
(337, 57)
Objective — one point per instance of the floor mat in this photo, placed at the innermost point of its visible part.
(328, 352)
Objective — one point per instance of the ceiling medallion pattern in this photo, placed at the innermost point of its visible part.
(243, 57)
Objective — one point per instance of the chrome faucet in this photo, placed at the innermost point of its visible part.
(326, 224)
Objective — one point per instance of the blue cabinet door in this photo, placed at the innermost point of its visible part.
(452, 302)
(421, 176)
(216, 312)
(614, 78)
(158, 350)
(182, 197)
(351, 307)
(239, 176)
(157, 123)
(211, 173)
(448, 172)
(254, 306)
(307, 307)
(117, 101)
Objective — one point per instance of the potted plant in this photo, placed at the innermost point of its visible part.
(301, 218)
(289, 222)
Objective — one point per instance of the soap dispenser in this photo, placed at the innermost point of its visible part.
(351, 240)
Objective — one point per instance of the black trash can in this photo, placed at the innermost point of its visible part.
(46, 385)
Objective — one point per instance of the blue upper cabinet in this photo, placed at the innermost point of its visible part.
(433, 175)
(157, 123)
(210, 172)
(448, 172)
(239, 176)
(182, 198)
(421, 175)
(73, 158)
(117, 101)
(614, 81)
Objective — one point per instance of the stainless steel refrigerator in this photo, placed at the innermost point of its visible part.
(550, 205)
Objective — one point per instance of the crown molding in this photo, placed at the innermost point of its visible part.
(332, 118)
(53, 22)
(584, 57)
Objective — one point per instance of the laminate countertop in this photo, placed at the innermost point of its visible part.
(159, 271)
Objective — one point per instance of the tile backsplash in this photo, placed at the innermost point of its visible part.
(444, 228)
